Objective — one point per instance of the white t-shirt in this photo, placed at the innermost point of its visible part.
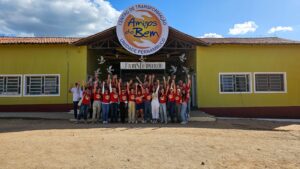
(76, 94)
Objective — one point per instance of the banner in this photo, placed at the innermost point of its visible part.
(142, 65)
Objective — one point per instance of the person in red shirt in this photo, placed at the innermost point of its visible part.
(183, 111)
(105, 103)
(114, 99)
(131, 103)
(123, 102)
(147, 105)
(171, 99)
(96, 104)
(139, 101)
(178, 102)
(162, 106)
(86, 101)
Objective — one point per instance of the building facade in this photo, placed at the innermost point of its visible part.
(240, 77)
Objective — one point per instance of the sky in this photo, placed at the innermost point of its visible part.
(199, 18)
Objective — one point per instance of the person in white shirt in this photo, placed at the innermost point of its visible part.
(76, 97)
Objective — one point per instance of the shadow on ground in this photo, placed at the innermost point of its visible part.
(18, 125)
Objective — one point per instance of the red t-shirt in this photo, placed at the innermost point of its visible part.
(86, 99)
(147, 97)
(178, 98)
(106, 98)
(97, 96)
(171, 97)
(162, 98)
(123, 97)
(132, 97)
(114, 98)
(139, 99)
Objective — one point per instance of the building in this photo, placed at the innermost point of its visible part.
(241, 77)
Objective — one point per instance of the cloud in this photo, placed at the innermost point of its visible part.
(280, 28)
(211, 35)
(56, 17)
(243, 28)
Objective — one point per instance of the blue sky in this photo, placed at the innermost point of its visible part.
(197, 17)
(217, 18)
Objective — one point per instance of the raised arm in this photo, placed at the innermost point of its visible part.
(189, 82)
(138, 79)
(136, 85)
(119, 86)
(143, 90)
(127, 86)
(165, 82)
(103, 87)
(157, 89)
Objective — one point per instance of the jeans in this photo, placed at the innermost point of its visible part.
(83, 112)
(178, 111)
(114, 112)
(163, 112)
(75, 107)
(183, 112)
(147, 112)
(105, 110)
(171, 108)
(123, 111)
(131, 111)
(96, 110)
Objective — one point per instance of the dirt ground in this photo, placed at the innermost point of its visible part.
(221, 144)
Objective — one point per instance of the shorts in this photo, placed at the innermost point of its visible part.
(139, 106)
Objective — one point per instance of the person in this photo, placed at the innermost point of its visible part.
(162, 106)
(147, 105)
(123, 102)
(139, 103)
(76, 97)
(86, 101)
(155, 104)
(96, 104)
(184, 103)
(171, 101)
(105, 103)
(178, 102)
(114, 99)
(131, 103)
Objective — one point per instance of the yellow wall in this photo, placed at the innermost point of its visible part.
(67, 60)
(246, 58)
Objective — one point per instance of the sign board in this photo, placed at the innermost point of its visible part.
(142, 65)
(142, 29)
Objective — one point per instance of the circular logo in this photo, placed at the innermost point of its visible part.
(142, 29)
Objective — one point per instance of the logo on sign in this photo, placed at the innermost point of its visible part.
(142, 29)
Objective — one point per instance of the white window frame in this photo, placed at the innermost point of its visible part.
(21, 86)
(236, 73)
(43, 95)
(284, 82)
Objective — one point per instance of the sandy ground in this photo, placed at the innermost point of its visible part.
(222, 144)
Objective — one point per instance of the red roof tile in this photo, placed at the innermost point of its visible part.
(258, 41)
(37, 40)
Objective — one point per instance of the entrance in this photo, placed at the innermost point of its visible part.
(106, 52)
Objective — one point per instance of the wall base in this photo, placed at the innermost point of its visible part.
(291, 112)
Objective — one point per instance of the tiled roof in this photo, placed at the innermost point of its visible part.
(262, 41)
(37, 40)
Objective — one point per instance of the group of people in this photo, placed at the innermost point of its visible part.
(151, 100)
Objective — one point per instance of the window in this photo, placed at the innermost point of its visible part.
(235, 83)
(10, 85)
(270, 82)
(42, 85)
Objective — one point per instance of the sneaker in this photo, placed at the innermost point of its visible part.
(143, 121)
(136, 122)
(183, 122)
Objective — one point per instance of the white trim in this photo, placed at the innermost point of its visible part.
(32, 75)
(284, 82)
(21, 86)
(236, 73)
